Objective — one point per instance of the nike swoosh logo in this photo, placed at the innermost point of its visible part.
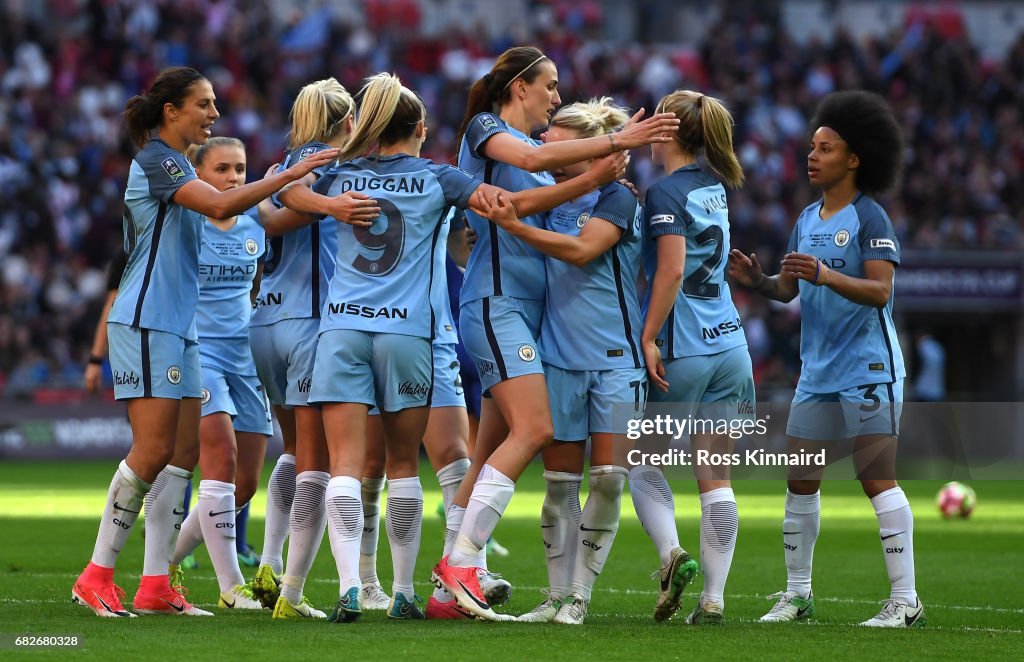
(548, 526)
(105, 605)
(213, 514)
(583, 528)
(893, 535)
(173, 606)
(404, 610)
(790, 533)
(802, 611)
(118, 506)
(229, 605)
(908, 620)
(862, 419)
(482, 605)
(178, 512)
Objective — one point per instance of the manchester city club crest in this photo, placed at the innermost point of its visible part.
(174, 374)
(206, 395)
(527, 353)
(582, 219)
(251, 247)
(842, 238)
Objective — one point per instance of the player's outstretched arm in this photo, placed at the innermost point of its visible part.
(543, 198)
(597, 236)
(548, 156)
(199, 196)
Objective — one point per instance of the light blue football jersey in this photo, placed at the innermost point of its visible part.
(385, 275)
(592, 314)
(160, 286)
(692, 203)
(299, 265)
(500, 264)
(845, 344)
(227, 265)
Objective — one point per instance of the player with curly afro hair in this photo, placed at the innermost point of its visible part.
(865, 122)
(842, 259)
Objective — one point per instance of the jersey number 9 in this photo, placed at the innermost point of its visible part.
(386, 246)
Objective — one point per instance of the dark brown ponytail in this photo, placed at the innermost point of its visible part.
(493, 89)
(145, 112)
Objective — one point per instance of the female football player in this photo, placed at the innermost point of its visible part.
(708, 373)
(152, 335)
(235, 419)
(842, 259)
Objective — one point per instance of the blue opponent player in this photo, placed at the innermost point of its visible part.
(283, 335)
(377, 326)
(693, 341)
(841, 261)
(151, 330)
(594, 247)
(235, 419)
(503, 295)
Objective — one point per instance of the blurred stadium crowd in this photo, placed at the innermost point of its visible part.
(67, 67)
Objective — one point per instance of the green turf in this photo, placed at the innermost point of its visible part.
(968, 574)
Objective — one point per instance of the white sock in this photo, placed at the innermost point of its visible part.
(306, 531)
(189, 538)
(452, 524)
(491, 494)
(217, 517)
(345, 516)
(597, 527)
(559, 523)
(164, 513)
(799, 533)
(371, 489)
(450, 477)
(896, 529)
(404, 520)
(656, 509)
(719, 523)
(280, 494)
(124, 502)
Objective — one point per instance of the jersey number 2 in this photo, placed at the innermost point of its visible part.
(696, 285)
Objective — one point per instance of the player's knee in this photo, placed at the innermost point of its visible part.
(535, 435)
(607, 481)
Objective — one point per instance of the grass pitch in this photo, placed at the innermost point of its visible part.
(968, 575)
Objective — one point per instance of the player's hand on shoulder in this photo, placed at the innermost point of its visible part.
(312, 162)
(632, 188)
(355, 208)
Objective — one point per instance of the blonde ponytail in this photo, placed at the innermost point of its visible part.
(319, 112)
